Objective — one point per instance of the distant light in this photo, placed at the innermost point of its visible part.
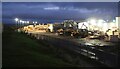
(16, 19)
(35, 22)
(20, 21)
(23, 21)
(114, 21)
(27, 21)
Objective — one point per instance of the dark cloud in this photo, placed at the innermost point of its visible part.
(54, 11)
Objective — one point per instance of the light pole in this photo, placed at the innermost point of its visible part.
(16, 20)
(23, 22)
(36, 22)
(20, 23)
(27, 22)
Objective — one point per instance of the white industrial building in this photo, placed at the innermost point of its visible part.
(112, 29)
(100, 25)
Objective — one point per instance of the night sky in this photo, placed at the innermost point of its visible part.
(50, 12)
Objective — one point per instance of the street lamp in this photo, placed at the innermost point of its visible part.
(27, 22)
(20, 22)
(16, 20)
(23, 22)
(36, 22)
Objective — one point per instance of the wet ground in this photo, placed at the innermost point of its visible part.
(84, 41)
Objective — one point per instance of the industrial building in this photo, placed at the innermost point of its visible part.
(111, 29)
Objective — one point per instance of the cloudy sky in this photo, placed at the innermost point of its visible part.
(58, 11)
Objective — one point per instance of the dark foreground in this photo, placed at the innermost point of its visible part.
(19, 50)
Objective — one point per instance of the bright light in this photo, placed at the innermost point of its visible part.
(83, 25)
(105, 27)
(20, 21)
(114, 21)
(100, 23)
(35, 22)
(16, 19)
(23, 21)
(80, 25)
(88, 21)
(27, 21)
(93, 21)
(51, 27)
